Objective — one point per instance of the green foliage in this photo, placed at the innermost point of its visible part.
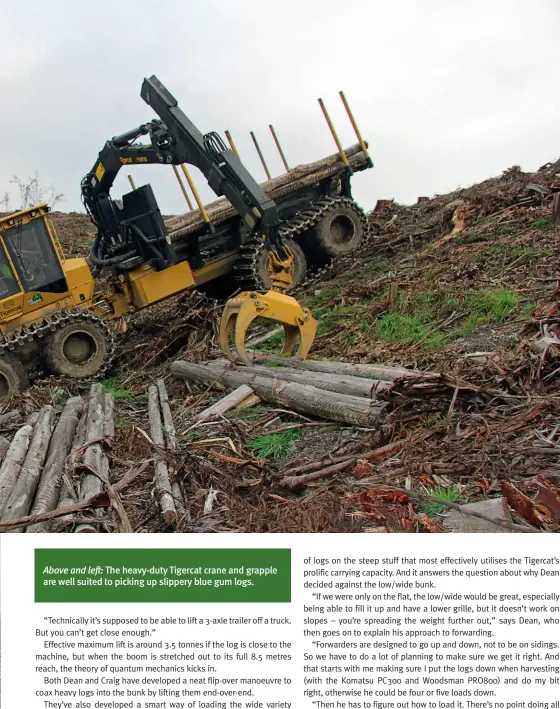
(473, 238)
(273, 345)
(247, 414)
(407, 330)
(275, 445)
(113, 386)
(435, 420)
(506, 230)
(542, 223)
(528, 309)
(59, 396)
(447, 494)
(492, 305)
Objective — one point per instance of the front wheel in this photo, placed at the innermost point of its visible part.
(77, 350)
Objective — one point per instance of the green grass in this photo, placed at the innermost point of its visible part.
(506, 230)
(407, 330)
(248, 413)
(416, 317)
(447, 494)
(113, 386)
(474, 238)
(492, 305)
(275, 445)
(542, 223)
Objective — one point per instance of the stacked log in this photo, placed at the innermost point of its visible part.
(21, 497)
(328, 396)
(301, 176)
(95, 465)
(164, 438)
(48, 490)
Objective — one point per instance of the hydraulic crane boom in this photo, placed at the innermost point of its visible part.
(132, 233)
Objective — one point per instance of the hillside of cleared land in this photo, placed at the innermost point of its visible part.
(463, 285)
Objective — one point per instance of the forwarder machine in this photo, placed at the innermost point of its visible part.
(54, 312)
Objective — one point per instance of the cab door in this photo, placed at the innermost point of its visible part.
(37, 265)
(11, 294)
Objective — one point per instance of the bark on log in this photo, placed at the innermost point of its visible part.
(230, 401)
(91, 482)
(32, 419)
(21, 497)
(94, 473)
(369, 371)
(168, 425)
(48, 491)
(11, 418)
(4, 447)
(338, 383)
(161, 473)
(109, 418)
(68, 495)
(220, 210)
(85, 527)
(11, 467)
(302, 397)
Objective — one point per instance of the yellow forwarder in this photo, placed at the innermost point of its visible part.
(53, 312)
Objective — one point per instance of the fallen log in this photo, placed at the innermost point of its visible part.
(228, 402)
(101, 500)
(168, 425)
(11, 467)
(161, 473)
(4, 447)
(11, 418)
(91, 482)
(48, 490)
(338, 383)
(109, 418)
(369, 371)
(93, 472)
(21, 497)
(302, 397)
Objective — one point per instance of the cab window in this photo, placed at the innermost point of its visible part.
(8, 283)
(34, 257)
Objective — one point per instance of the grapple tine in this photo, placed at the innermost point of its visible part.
(229, 318)
(239, 313)
(291, 339)
(247, 313)
(307, 330)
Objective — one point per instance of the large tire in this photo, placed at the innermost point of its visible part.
(300, 265)
(13, 377)
(337, 233)
(78, 350)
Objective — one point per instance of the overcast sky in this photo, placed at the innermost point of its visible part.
(446, 92)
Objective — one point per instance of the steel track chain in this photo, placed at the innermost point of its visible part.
(36, 332)
(245, 268)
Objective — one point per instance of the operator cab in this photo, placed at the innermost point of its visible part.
(28, 258)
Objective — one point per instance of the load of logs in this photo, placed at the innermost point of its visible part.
(278, 188)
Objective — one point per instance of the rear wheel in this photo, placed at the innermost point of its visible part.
(338, 233)
(78, 349)
(13, 377)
